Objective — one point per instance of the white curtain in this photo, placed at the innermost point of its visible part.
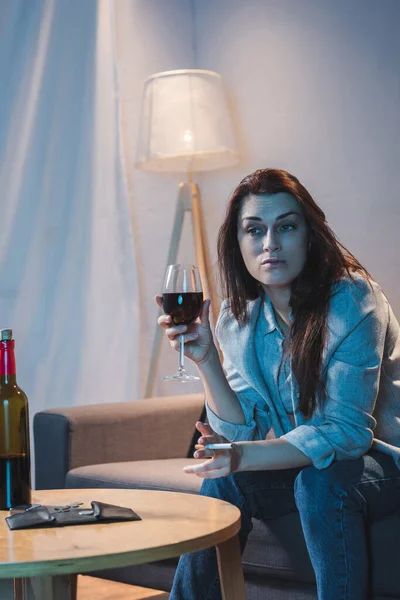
(67, 270)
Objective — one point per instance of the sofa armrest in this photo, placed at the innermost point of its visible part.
(153, 428)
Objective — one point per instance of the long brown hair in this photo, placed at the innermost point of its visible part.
(327, 262)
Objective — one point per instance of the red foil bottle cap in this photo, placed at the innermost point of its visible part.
(7, 356)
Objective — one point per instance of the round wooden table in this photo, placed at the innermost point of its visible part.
(42, 564)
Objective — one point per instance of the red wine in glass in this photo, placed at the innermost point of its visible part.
(182, 298)
(183, 308)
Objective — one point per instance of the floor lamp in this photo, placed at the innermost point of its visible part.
(185, 128)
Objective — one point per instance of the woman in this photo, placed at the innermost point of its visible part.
(312, 351)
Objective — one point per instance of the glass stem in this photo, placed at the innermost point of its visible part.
(182, 353)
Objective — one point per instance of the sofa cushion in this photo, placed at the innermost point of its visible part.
(166, 474)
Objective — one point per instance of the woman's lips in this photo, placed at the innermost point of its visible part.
(273, 264)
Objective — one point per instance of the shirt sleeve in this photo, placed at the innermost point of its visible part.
(256, 413)
(253, 405)
(343, 425)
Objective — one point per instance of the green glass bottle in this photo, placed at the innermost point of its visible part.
(15, 472)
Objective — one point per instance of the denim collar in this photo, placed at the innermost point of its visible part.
(269, 314)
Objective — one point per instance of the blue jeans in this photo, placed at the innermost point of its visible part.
(334, 506)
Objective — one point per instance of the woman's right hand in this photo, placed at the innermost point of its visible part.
(199, 343)
(208, 436)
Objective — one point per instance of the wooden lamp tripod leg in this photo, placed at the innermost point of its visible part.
(202, 252)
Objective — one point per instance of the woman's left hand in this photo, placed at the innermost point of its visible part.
(219, 463)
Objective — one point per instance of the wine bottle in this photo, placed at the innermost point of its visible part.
(15, 477)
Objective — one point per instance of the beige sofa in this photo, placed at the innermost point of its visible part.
(145, 444)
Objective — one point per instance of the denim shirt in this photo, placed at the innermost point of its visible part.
(360, 367)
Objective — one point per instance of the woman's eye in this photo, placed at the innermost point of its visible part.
(253, 230)
(287, 227)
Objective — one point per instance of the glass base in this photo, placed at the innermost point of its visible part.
(182, 376)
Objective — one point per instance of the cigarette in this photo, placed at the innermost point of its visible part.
(218, 446)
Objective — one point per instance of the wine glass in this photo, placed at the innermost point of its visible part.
(182, 299)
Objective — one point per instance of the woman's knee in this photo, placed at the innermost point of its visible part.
(318, 486)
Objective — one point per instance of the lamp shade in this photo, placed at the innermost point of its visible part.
(185, 123)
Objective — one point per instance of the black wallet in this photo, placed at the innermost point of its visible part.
(53, 516)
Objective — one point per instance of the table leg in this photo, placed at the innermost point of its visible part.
(231, 570)
(58, 587)
(18, 589)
